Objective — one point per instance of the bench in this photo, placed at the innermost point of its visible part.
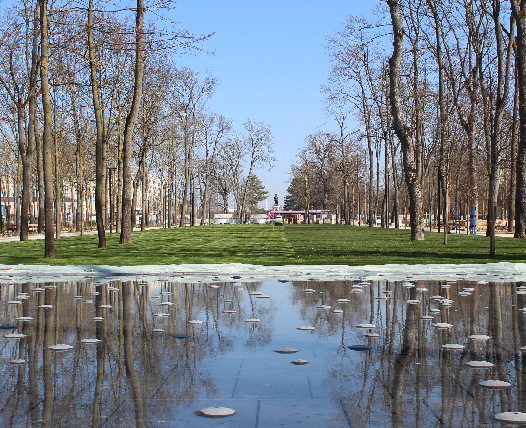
(33, 227)
(501, 225)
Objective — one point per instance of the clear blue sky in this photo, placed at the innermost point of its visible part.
(270, 61)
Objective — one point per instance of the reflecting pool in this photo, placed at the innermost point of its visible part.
(370, 353)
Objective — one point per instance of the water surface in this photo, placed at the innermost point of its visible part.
(142, 372)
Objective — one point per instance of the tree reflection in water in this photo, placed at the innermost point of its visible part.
(403, 359)
(137, 377)
(47, 356)
(131, 372)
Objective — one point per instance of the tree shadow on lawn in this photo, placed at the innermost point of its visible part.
(87, 253)
(406, 257)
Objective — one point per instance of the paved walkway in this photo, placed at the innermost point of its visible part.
(479, 233)
(94, 232)
(35, 236)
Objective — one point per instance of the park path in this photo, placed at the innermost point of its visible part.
(35, 236)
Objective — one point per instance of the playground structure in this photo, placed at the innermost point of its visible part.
(458, 224)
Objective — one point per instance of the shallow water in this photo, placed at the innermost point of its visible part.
(138, 376)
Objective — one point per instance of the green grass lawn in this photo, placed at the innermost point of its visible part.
(266, 245)
(339, 244)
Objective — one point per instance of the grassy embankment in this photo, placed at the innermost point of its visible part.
(267, 245)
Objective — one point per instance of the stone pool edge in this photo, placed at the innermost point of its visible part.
(491, 272)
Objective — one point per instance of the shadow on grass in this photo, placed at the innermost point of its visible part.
(211, 244)
(340, 244)
(266, 245)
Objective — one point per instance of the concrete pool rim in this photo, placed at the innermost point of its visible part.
(487, 272)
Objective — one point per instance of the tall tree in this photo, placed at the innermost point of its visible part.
(214, 132)
(504, 59)
(473, 23)
(190, 98)
(519, 11)
(443, 113)
(100, 146)
(410, 148)
(131, 119)
(22, 87)
(47, 143)
(259, 143)
(228, 169)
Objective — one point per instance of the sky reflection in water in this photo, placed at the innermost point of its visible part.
(136, 373)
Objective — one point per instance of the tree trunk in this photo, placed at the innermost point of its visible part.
(119, 174)
(410, 152)
(1, 215)
(79, 215)
(18, 194)
(40, 179)
(513, 160)
(26, 157)
(131, 119)
(31, 128)
(99, 144)
(58, 187)
(187, 175)
(371, 173)
(168, 192)
(385, 211)
(205, 203)
(472, 161)
(47, 143)
(242, 213)
(377, 156)
(134, 202)
(442, 121)
(7, 205)
(194, 206)
(345, 205)
(504, 65)
(107, 201)
(520, 201)
(25, 131)
(144, 194)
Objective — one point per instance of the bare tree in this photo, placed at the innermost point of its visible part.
(503, 82)
(259, 144)
(410, 147)
(463, 57)
(227, 169)
(100, 166)
(214, 131)
(126, 226)
(190, 99)
(519, 11)
(320, 151)
(21, 84)
(343, 150)
(47, 144)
